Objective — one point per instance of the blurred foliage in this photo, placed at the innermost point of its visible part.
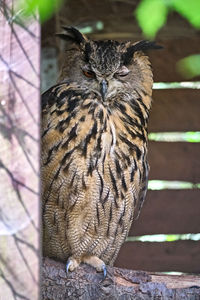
(152, 15)
(45, 8)
(190, 9)
(189, 66)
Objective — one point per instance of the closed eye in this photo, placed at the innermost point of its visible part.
(121, 74)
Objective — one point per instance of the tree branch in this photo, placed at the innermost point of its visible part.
(86, 284)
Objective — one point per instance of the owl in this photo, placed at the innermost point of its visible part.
(94, 149)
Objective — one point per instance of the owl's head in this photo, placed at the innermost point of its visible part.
(106, 67)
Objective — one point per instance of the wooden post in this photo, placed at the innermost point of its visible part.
(19, 154)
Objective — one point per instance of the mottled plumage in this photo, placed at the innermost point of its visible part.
(94, 149)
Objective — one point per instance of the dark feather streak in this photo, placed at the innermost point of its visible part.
(113, 180)
(132, 147)
(71, 135)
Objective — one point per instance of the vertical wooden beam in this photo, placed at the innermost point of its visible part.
(19, 154)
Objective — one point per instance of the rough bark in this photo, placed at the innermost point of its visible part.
(86, 284)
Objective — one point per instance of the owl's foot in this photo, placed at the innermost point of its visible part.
(71, 264)
(97, 263)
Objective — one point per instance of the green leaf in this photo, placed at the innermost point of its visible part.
(189, 66)
(45, 8)
(151, 16)
(190, 9)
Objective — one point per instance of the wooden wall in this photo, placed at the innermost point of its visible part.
(166, 211)
(170, 211)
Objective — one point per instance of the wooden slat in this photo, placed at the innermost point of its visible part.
(174, 161)
(175, 110)
(169, 212)
(182, 256)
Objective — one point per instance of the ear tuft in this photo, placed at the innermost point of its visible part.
(72, 34)
(140, 46)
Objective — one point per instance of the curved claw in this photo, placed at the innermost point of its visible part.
(68, 264)
(104, 271)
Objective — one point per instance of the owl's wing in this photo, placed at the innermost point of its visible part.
(143, 189)
(50, 97)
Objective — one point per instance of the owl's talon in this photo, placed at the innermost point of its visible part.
(104, 271)
(96, 262)
(68, 264)
(71, 264)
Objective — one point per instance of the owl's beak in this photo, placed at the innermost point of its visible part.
(103, 88)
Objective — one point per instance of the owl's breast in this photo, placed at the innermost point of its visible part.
(86, 143)
(108, 140)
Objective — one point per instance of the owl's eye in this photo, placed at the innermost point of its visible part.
(122, 72)
(89, 74)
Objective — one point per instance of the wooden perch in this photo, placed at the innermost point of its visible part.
(86, 284)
